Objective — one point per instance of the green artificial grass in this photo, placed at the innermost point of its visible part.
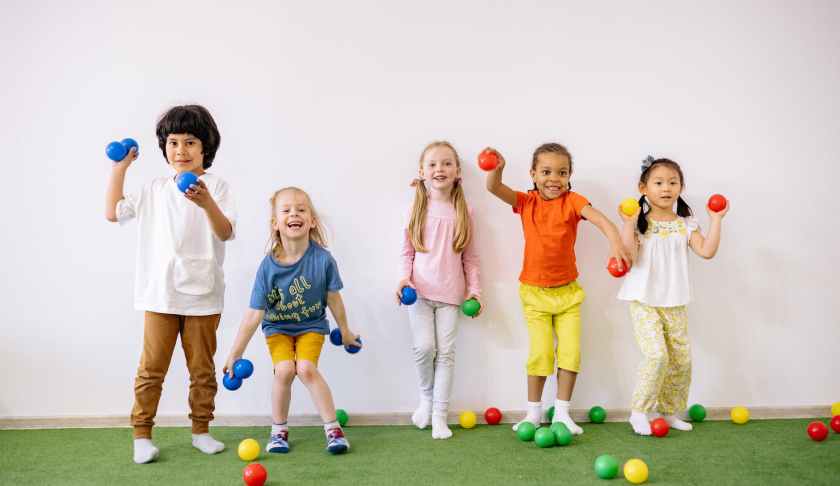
(718, 453)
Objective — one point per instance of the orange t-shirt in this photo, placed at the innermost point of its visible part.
(550, 229)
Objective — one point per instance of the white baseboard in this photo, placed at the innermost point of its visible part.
(400, 418)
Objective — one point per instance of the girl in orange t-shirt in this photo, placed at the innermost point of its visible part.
(550, 294)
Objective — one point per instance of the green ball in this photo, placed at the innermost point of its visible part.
(597, 415)
(697, 412)
(544, 437)
(562, 434)
(550, 413)
(526, 431)
(606, 466)
(341, 416)
(470, 307)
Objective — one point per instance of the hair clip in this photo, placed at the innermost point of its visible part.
(647, 163)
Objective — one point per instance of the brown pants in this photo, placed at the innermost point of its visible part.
(198, 338)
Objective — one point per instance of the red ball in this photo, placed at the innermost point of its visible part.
(659, 427)
(488, 160)
(612, 267)
(254, 474)
(493, 416)
(717, 203)
(835, 423)
(817, 430)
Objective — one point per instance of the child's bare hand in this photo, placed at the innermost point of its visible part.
(130, 157)
(199, 194)
(624, 260)
(228, 367)
(721, 213)
(501, 163)
(480, 305)
(348, 338)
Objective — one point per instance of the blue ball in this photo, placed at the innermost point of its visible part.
(353, 349)
(130, 143)
(409, 296)
(231, 383)
(185, 180)
(335, 336)
(243, 368)
(116, 151)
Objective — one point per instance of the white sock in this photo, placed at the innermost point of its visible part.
(675, 423)
(561, 414)
(331, 425)
(440, 429)
(145, 451)
(640, 423)
(277, 428)
(207, 444)
(533, 415)
(423, 415)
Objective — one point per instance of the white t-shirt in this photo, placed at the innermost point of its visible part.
(179, 258)
(659, 277)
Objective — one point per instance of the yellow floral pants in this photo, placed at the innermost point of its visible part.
(665, 372)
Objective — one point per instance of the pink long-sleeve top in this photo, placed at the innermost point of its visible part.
(440, 274)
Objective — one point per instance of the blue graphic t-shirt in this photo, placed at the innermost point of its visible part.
(294, 297)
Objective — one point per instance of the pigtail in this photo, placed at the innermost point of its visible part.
(418, 216)
(683, 209)
(642, 222)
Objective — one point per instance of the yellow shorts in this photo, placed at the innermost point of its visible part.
(283, 347)
(549, 311)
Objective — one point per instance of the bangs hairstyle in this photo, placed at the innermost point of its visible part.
(463, 231)
(317, 233)
(194, 120)
(552, 148)
(683, 209)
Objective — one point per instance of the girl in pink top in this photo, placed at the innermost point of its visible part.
(440, 261)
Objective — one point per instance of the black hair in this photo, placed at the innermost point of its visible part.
(683, 208)
(192, 119)
(554, 148)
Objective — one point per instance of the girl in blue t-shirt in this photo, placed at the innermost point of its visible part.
(295, 284)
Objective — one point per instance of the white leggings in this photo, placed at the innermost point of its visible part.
(434, 326)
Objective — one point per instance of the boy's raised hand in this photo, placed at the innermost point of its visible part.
(199, 194)
(130, 157)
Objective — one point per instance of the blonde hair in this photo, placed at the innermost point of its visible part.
(317, 233)
(417, 222)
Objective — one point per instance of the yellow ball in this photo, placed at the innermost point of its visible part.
(467, 420)
(636, 471)
(249, 449)
(740, 415)
(835, 408)
(629, 206)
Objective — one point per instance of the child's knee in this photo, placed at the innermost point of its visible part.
(306, 371)
(285, 371)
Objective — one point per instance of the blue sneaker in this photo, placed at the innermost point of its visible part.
(336, 442)
(278, 443)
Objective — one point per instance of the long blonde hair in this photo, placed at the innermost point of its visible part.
(417, 222)
(317, 233)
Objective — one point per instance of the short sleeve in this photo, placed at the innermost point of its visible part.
(333, 278)
(578, 203)
(691, 225)
(521, 199)
(224, 199)
(127, 207)
(259, 294)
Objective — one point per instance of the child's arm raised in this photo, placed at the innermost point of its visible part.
(250, 322)
(610, 231)
(495, 184)
(707, 247)
(628, 234)
(116, 182)
(200, 195)
(336, 305)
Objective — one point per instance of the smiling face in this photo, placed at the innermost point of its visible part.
(185, 153)
(293, 215)
(551, 174)
(439, 168)
(663, 187)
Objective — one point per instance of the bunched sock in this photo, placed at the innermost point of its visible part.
(561, 414)
(207, 444)
(423, 415)
(532, 415)
(440, 429)
(145, 451)
(640, 423)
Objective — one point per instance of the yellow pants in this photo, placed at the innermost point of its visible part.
(549, 311)
(307, 347)
(665, 372)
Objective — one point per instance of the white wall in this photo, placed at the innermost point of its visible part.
(340, 97)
